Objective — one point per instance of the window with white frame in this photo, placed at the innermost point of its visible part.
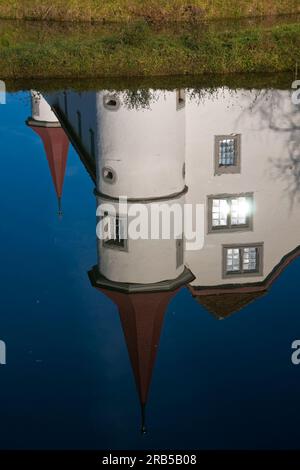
(115, 231)
(227, 154)
(230, 212)
(243, 259)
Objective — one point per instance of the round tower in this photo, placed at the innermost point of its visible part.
(56, 144)
(141, 155)
(142, 145)
(41, 112)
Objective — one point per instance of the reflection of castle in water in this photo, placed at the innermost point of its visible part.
(234, 154)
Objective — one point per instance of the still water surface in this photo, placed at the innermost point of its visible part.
(199, 339)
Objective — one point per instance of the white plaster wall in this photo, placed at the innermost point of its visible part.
(145, 147)
(146, 261)
(264, 152)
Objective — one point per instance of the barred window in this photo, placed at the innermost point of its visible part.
(227, 154)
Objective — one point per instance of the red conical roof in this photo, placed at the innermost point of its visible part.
(56, 144)
(142, 317)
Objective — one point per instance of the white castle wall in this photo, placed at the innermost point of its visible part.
(148, 147)
(265, 151)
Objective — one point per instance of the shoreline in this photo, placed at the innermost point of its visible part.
(138, 50)
(155, 11)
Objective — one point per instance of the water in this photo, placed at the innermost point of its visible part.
(69, 380)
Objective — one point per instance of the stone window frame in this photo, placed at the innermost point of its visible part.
(229, 169)
(241, 273)
(229, 228)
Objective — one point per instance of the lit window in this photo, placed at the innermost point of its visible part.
(114, 231)
(233, 260)
(227, 154)
(244, 260)
(230, 212)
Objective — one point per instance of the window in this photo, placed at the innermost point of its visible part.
(243, 260)
(230, 212)
(180, 99)
(179, 252)
(36, 99)
(79, 124)
(227, 154)
(115, 232)
(92, 143)
(66, 103)
(109, 175)
(111, 102)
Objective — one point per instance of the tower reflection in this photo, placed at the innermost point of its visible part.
(232, 152)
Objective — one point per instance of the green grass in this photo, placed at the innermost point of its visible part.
(152, 10)
(139, 50)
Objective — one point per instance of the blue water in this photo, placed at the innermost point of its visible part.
(68, 382)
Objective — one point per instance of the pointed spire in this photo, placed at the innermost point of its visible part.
(142, 316)
(60, 212)
(56, 144)
(143, 415)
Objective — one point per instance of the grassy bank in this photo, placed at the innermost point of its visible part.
(152, 10)
(139, 50)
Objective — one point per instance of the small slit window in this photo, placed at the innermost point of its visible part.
(115, 231)
(109, 175)
(92, 143)
(111, 102)
(36, 99)
(243, 260)
(180, 98)
(179, 252)
(227, 154)
(66, 103)
(230, 212)
(79, 126)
